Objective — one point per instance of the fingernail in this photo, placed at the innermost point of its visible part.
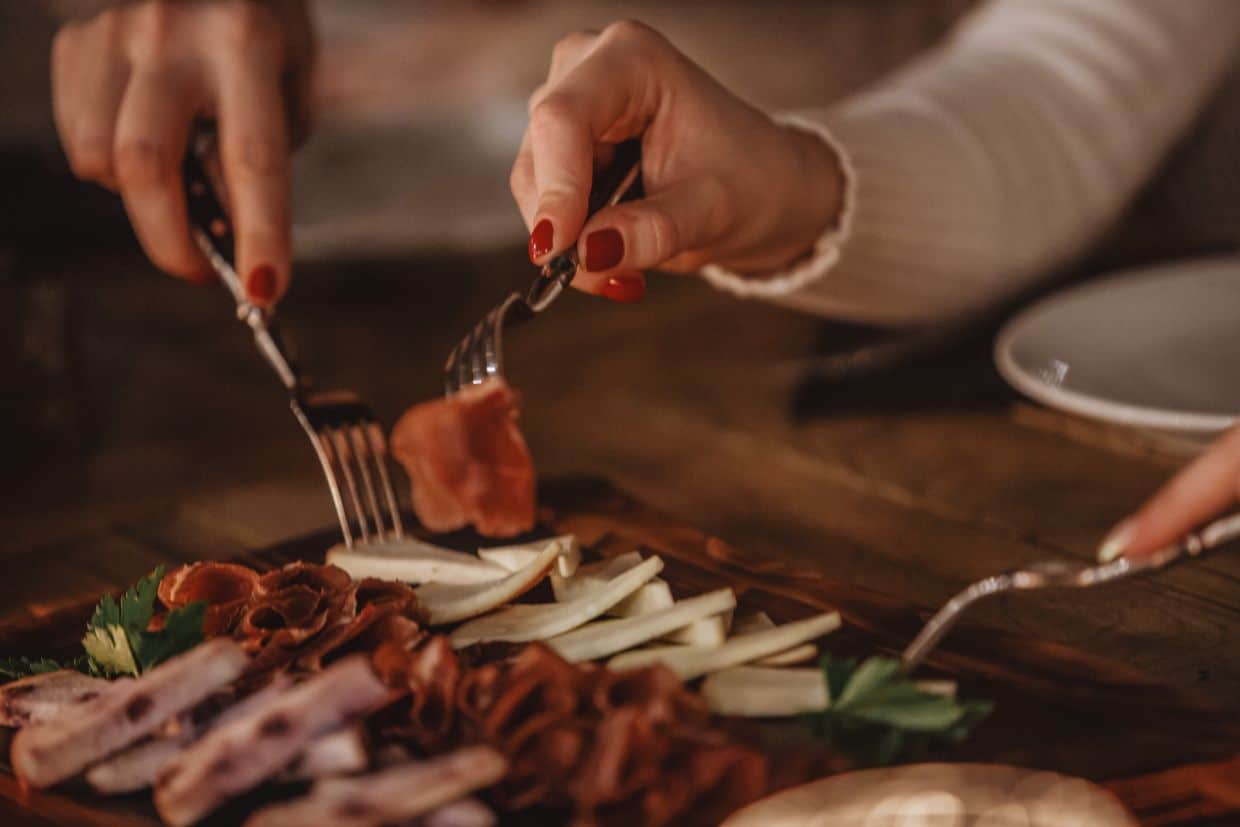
(261, 285)
(624, 289)
(542, 239)
(1116, 543)
(604, 249)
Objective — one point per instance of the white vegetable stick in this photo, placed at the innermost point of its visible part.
(518, 624)
(80, 735)
(946, 688)
(448, 603)
(691, 662)
(651, 597)
(391, 796)
(597, 640)
(709, 631)
(752, 622)
(413, 561)
(519, 556)
(763, 692)
(795, 655)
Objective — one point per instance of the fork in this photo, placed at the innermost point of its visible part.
(1061, 574)
(343, 430)
(480, 355)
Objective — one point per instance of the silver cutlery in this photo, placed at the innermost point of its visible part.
(480, 355)
(1060, 574)
(344, 432)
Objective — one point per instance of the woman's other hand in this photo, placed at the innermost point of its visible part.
(127, 86)
(1203, 490)
(724, 184)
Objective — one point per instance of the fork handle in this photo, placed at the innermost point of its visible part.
(620, 181)
(213, 233)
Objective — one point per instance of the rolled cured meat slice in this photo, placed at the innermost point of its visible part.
(468, 462)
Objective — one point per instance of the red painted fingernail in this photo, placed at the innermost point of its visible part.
(624, 289)
(541, 239)
(604, 249)
(261, 285)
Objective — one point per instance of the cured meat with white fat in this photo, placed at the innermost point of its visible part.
(391, 796)
(62, 747)
(243, 753)
(468, 462)
(36, 699)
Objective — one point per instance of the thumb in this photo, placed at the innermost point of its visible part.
(638, 235)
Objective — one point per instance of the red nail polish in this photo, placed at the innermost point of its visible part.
(604, 249)
(261, 285)
(624, 289)
(541, 239)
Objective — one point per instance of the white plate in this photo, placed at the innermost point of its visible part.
(1157, 348)
(939, 795)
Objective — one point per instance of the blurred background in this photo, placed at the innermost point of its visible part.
(124, 389)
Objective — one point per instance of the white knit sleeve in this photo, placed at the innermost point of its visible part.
(1002, 155)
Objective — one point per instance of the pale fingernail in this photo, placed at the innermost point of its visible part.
(1116, 543)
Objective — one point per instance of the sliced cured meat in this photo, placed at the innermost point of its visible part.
(468, 463)
(239, 755)
(36, 699)
(226, 588)
(49, 753)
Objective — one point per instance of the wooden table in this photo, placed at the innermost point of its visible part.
(177, 444)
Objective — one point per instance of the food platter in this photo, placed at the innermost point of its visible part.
(1058, 709)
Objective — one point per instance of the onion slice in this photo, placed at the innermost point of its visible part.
(597, 640)
(654, 595)
(765, 692)
(518, 624)
(797, 654)
(516, 557)
(690, 662)
(449, 603)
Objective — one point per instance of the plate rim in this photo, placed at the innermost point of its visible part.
(1093, 406)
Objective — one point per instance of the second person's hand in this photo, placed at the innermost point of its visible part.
(724, 183)
(128, 85)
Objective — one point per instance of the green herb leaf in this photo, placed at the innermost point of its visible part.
(13, 668)
(878, 715)
(118, 640)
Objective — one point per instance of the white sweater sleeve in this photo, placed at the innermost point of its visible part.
(1003, 154)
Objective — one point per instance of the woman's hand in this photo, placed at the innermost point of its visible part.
(724, 184)
(127, 86)
(1207, 487)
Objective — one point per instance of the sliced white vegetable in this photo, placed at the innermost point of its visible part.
(752, 622)
(518, 624)
(413, 561)
(606, 637)
(709, 631)
(691, 662)
(946, 688)
(764, 692)
(516, 557)
(651, 597)
(448, 603)
(795, 655)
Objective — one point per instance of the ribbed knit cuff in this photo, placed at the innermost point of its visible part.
(826, 251)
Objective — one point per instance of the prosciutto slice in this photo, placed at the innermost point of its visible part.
(468, 462)
(49, 753)
(36, 699)
(243, 753)
(226, 588)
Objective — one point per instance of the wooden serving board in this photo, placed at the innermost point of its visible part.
(1058, 708)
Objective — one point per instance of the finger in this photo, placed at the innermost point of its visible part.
(623, 286)
(565, 56)
(152, 130)
(88, 81)
(638, 235)
(1201, 491)
(602, 99)
(254, 153)
(521, 182)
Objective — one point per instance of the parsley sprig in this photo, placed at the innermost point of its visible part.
(119, 640)
(877, 714)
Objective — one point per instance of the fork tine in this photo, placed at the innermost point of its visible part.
(323, 449)
(378, 447)
(343, 453)
(362, 459)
